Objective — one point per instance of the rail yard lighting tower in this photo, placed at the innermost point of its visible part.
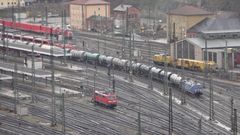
(205, 61)
(52, 83)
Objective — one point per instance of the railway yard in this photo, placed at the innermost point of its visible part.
(55, 96)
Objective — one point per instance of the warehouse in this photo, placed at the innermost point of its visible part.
(216, 43)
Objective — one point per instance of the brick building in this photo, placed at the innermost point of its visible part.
(80, 10)
(120, 16)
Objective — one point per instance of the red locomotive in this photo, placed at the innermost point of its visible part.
(106, 97)
(36, 28)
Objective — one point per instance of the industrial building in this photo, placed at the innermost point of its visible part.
(186, 17)
(123, 12)
(216, 48)
(81, 10)
(218, 35)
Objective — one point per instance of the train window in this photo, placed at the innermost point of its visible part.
(1, 3)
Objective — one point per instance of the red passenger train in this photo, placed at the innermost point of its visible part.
(37, 28)
(105, 97)
(36, 40)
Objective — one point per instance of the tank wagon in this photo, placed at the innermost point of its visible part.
(189, 86)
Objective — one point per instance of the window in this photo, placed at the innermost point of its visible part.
(210, 56)
(8, 3)
(1, 3)
(215, 57)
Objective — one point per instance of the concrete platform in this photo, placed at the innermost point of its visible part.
(5, 77)
(28, 48)
(39, 73)
(10, 94)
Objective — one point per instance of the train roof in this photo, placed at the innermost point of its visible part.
(105, 92)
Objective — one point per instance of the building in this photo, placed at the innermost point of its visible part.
(219, 36)
(186, 17)
(120, 17)
(81, 10)
(10, 3)
(99, 24)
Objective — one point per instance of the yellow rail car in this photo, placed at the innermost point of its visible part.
(160, 59)
(196, 65)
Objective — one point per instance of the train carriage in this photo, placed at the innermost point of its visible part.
(106, 97)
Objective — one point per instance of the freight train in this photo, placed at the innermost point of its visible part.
(196, 65)
(159, 74)
(40, 29)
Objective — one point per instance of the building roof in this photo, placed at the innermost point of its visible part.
(221, 22)
(189, 11)
(122, 7)
(215, 44)
(89, 2)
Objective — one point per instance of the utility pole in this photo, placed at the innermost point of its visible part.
(13, 16)
(165, 76)
(206, 65)
(46, 12)
(15, 89)
(232, 113)
(124, 23)
(150, 63)
(130, 57)
(211, 104)
(200, 126)
(52, 82)
(226, 56)
(19, 17)
(130, 48)
(33, 75)
(3, 37)
(63, 36)
(174, 46)
(139, 124)
(235, 130)
(170, 128)
(183, 99)
(63, 114)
